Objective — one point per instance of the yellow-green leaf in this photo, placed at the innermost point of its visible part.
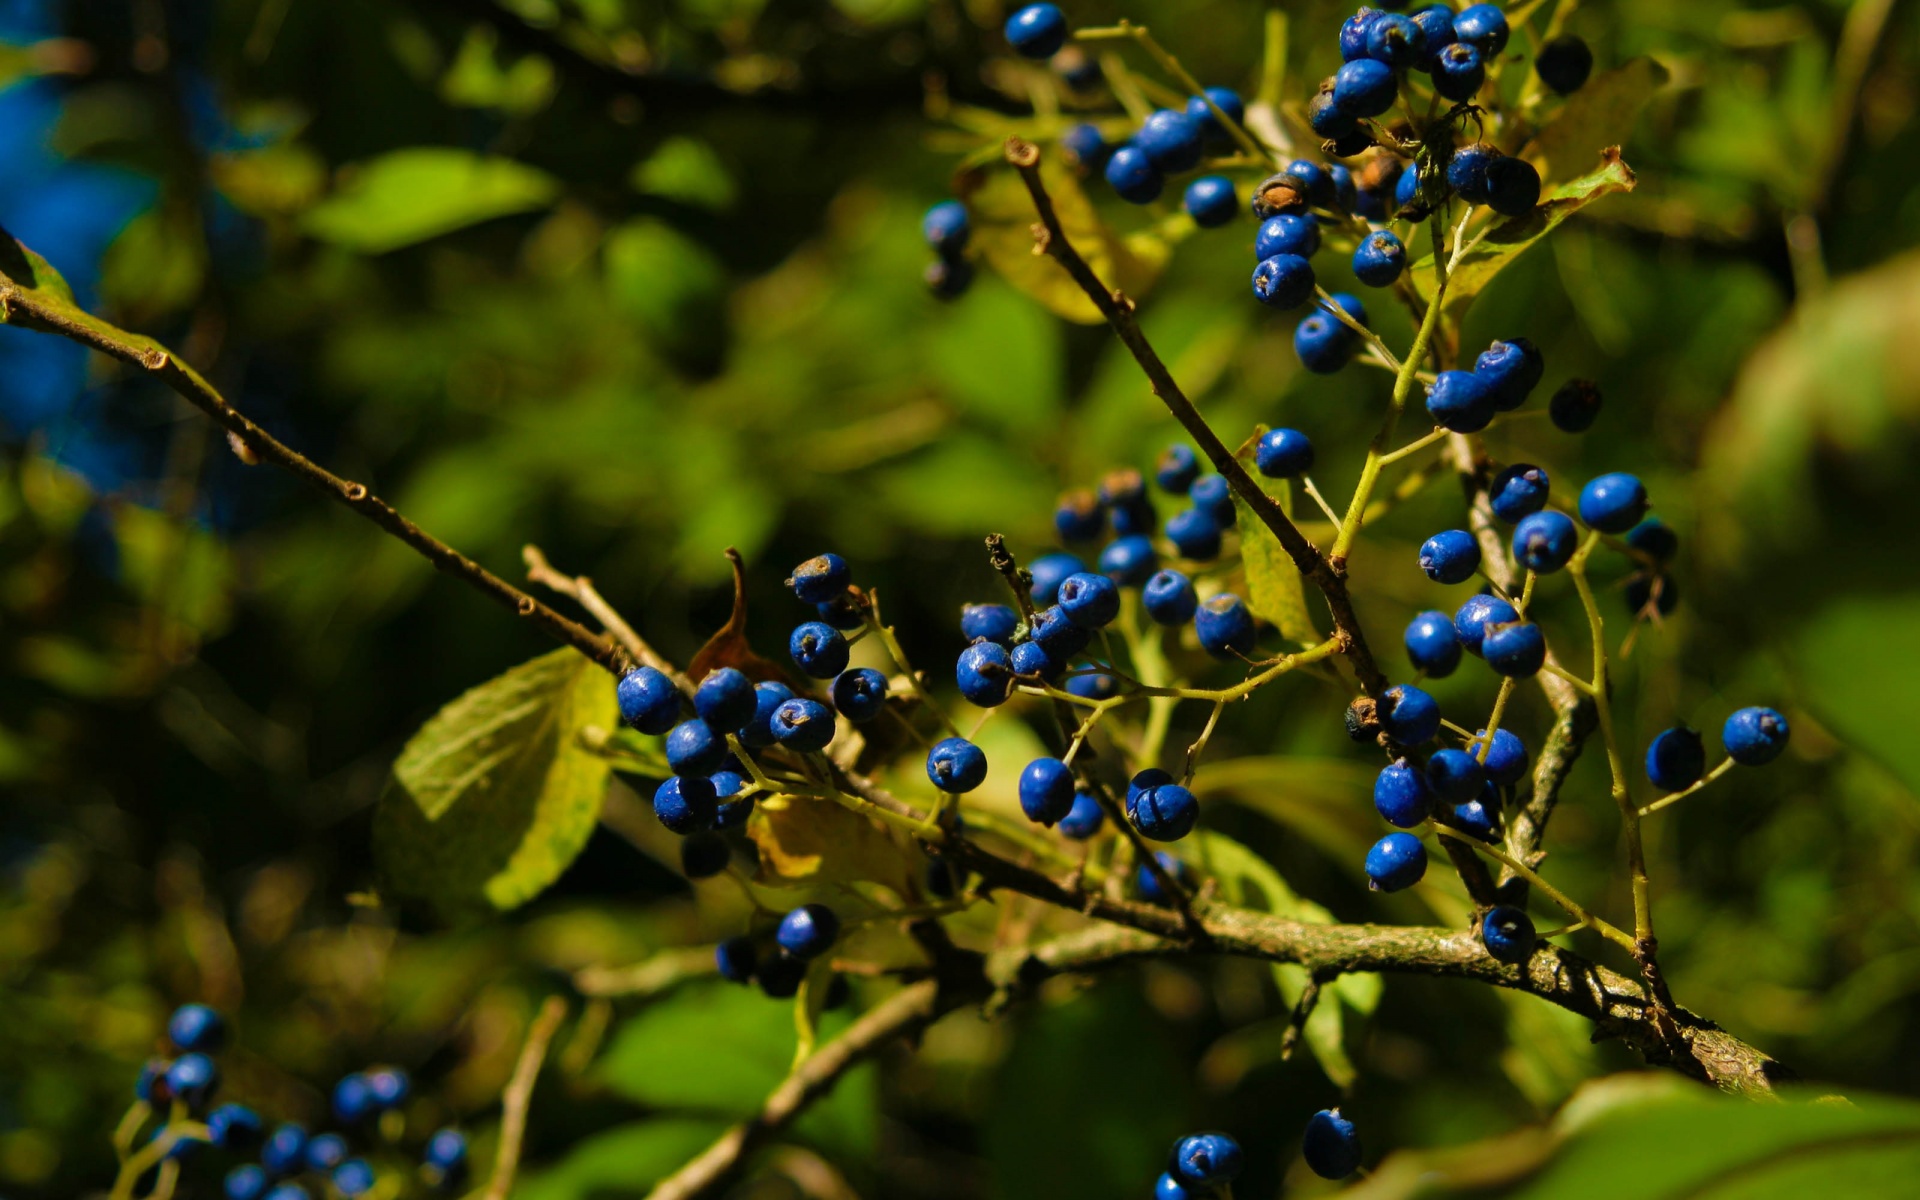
(1003, 219)
(497, 794)
(412, 195)
(805, 842)
(1599, 115)
(1275, 590)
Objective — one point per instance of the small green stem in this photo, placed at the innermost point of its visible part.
(1171, 65)
(1493, 720)
(1677, 797)
(1414, 447)
(1574, 910)
(899, 658)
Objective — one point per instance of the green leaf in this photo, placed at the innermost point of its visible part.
(413, 195)
(1276, 592)
(496, 794)
(1599, 115)
(1507, 240)
(1003, 219)
(686, 169)
(624, 1161)
(1854, 662)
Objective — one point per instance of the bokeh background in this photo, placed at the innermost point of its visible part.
(637, 281)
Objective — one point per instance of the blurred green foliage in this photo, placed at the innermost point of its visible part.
(639, 281)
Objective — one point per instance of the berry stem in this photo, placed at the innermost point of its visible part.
(899, 657)
(1610, 932)
(1414, 447)
(1339, 313)
(1171, 65)
(1493, 719)
(1200, 744)
(1677, 797)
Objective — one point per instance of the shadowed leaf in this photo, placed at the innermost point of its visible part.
(1275, 591)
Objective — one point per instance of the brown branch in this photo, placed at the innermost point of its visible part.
(519, 1094)
(581, 590)
(1051, 239)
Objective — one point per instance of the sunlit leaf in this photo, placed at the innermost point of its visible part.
(1003, 219)
(1276, 592)
(805, 842)
(420, 193)
(1599, 115)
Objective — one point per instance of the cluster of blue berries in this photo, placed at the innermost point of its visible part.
(778, 960)
(185, 1085)
(948, 228)
(1206, 1164)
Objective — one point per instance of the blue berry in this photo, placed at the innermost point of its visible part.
(150, 1086)
(1086, 147)
(1365, 88)
(648, 700)
(390, 1087)
(820, 578)
(233, 1126)
(1167, 1187)
(1148, 884)
(767, 696)
(1544, 541)
(1328, 120)
(1331, 1146)
(1406, 188)
(1467, 171)
(1401, 795)
(1091, 601)
(693, 748)
(1283, 281)
(1348, 303)
(1576, 406)
(1323, 344)
(285, 1151)
(1753, 737)
(732, 814)
(288, 1191)
(447, 1149)
(196, 1027)
(1409, 715)
(353, 1177)
(1450, 556)
(733, 958)
(1037, 31)
(956, 765)
(1512, 369)
(1047, 571)
(1676, 759)
(1654, 540)
(1056, 633)
(1133, 175)
(725, 700)
(1046, 790)
(1195, 534)
(947, 228)
(860, 694)
(1346, 193)
(844, 612)
(1165, 813)
(1084, 819)
(985, 674)
(1213, 494)
(818, 649)
(1460, 401)
(1124, 493)
(780, 975)
(948, 278)
(1225, 626)
(1455, 775)
(1458, 72)
(1143, 782)
(1093, 685)
(1031, 659)
(1396, 41)
(1207, 1160)
(1210, 201)
(802, 724)
(1480, 611)
(1506, 760)
(989, 623)
(1475, 819)
(1169, 598)
(192, 1078)
(326, 1151)
(685, 804)
(808, 931)
(1517, 649)
(1284, 454)
(1314, 178)
(1281, 192)
(1508, 934)
(1483, 25)
(703, 856)
(1436, 25)
(1379, 259)
(1129, 561)
(1432, 645)
(1178, 467)
(1513, 186)
(1564, 64)
(1613, 503)
(245, 1182)
(1288, 233)
(1171, 140)
(1396, 862)
(1227, 101)
(1517, 491)
(1353, 34)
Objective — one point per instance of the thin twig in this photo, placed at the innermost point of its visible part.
(519, 1094)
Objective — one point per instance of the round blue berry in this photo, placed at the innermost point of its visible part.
(820, 578)
(1517, 649)
(703, 856)
(948, 278)
(1056, 633)
(648, 700)
(802, 724)
(780, 975)
(684, 804)
(1210, 201)
(1460, 401)
(447, 1148)
(1037, 31)
(1450, 556)
(1676, 759)
(1564, 64)
(245, 1182)
(984, 674)
(1753, 737)
(808, 931)
(1047, 571)
(326, 1151)
(1225, 626)
(1511, 369)
(1346, 193)
(1401, 795)
(1365, 88)
(353, 1177)
(1314, 178)
(1227, 101)
(1513, 186)
(1143, 782)
(1397, 861)
(1283, 281)
(1353, 33)
(1467, 171)
(956, 765)
(196, 1027)
(1171, 140)
(1475, 819)
(1167, 1187)
(1406, 188)
(1169, 598)
(150, 1086)
(1508, 934)
(725, 700)
(1091, 601)
(1432, 645)
(1129, 561)
(844, 612)
(1409, 715)
(1331, 1145)
(818, 649)
(1178, 467)
(1455, 775)
(1031, 659)
(1287, 233)
(732, 814)
(946, 228)
(860, 694)
(767, 696)
(1133, 176)
(1195, 534)
(1544, 541)
(1458, 72)
(1396, 41)
(288, 1191)
(1654, 541)
(285, 1151)
(1436, 25)
(1085, 147)
(1148, 884)
(1327, 119)
(1323, 344)
(1484, 26)
(192, 1078)
(1613, 503)
(1576, 406)
(1284, 454)
(1506, 759)
(1212, 493)
(1084, 819)
(1165, 813)
(1379, 259)
(1124, 493)
(1093, 685)
(1207, 1159)
(390, 1086)
(693, 748)
(989, 623)
(733, 958)
(1480, 611)
(1046, 790)
(1517, 491)
(233, 1126)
